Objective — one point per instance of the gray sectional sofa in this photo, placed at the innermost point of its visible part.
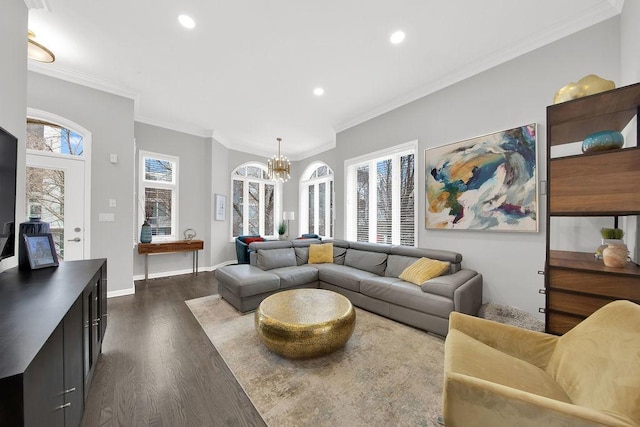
(366, 273)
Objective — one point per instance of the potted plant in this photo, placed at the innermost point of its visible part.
(282, 228)
(613, 249)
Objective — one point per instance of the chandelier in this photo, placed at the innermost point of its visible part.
(279, 167)
(36, 51)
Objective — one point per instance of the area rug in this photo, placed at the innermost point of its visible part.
(387, 374)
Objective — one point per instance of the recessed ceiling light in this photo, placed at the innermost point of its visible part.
(397, 37)
(318, 91)
(186, 21)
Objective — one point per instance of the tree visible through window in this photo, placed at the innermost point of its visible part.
(316, 200)
(158, 192)
(254, 195)
(381, 197)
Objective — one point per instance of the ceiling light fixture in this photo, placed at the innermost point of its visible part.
(187, 21)
(36, 51)
(397, 37)
(279, 167)
(318, 91)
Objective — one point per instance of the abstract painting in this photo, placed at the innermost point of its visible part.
(484, 183)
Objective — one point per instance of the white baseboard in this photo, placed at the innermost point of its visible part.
(179, 272)
(122, 292)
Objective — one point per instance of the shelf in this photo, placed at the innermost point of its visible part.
(587, 261)
(572, 121)
(603, 184)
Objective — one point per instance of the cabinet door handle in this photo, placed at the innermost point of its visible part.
(95, 322)
(66, 405)
(69, 390)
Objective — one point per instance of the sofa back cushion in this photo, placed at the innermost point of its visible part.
(374, 262)
(268, 259)
(596, 362)
(396, 264)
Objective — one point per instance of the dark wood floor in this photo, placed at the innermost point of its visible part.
(158, 368)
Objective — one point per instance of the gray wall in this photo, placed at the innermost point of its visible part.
(110, 120)
(13, 87)
(630, 42)
(193, 195)
(509, 95)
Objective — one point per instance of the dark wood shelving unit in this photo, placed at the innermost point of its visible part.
(598, 184)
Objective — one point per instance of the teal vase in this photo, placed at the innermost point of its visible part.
(602, 141)
(145, 232)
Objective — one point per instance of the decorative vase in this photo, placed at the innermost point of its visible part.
(615, 255)
(145, 232)
(282, 237)
(602, 141)
(33, 226)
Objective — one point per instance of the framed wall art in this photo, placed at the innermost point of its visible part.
(484, 183)
(41, 250)
(220, 207)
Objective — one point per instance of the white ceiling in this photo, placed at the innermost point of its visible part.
(246, 73)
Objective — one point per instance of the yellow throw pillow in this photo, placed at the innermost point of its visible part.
(423, 270)
(319, 254)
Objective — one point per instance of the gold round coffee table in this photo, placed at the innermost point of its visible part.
(303, 323)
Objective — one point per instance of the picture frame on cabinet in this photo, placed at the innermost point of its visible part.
(41, 250)
(486, 183)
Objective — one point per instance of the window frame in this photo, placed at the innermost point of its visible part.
(277, 200)
(173, 186)
(350, 182)
(305, 182)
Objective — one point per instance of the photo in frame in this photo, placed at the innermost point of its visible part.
(41, 250)
(484, 183)
(220, 207)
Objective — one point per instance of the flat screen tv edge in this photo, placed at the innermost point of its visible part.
(8, 167)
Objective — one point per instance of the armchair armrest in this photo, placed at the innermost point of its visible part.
(472, 401)
(531, 346)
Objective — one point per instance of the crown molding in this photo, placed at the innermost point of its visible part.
(617, 4)
(607, 9)
(83, 79)
(178, 127)
(38, 4)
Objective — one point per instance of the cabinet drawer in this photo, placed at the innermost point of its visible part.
(615, 286)
(560, 323)
(583, 305)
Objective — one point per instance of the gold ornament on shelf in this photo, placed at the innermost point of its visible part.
(588, 85)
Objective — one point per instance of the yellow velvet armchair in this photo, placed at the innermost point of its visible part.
(501, 375)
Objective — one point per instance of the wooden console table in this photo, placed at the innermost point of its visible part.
(147, 249)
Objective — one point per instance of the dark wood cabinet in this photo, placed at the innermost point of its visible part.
(598, 184)
(45, 323)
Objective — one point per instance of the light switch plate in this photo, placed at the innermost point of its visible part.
(113, 158)
(106, 217)
(112, 203)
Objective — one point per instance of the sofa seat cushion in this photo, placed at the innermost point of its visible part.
(405, 294)
(343, 276)
(467, 356)
(295, 276)
(244, 280)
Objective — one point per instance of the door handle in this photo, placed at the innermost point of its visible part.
(77, 239)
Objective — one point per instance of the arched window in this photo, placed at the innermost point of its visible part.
(316, 200)
(255, 197)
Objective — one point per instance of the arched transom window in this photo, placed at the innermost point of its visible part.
(316, 200)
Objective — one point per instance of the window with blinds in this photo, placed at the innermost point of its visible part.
(253, 196)
(380, 197)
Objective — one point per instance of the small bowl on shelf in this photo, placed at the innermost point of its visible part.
(602, 141)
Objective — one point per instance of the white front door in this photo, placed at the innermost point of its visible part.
(55, 192)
